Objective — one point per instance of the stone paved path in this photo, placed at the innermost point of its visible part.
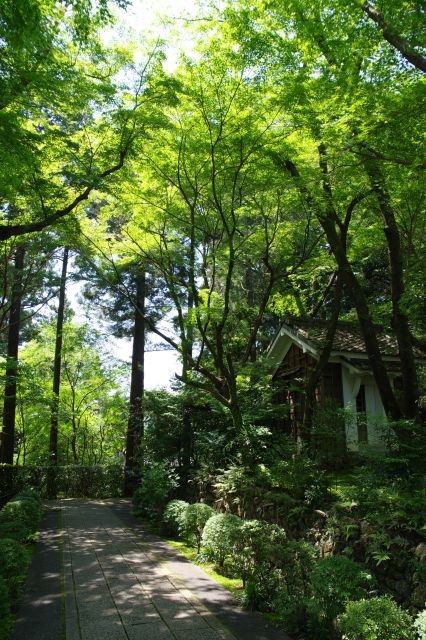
(116, 590)
(110, 579)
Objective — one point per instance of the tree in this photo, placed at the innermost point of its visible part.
(360, 133)
(57, 366)
(9, 410)
(91, 422)
(69, 125)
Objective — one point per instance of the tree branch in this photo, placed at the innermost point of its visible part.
(416, 59)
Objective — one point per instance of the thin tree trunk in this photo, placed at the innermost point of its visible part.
(366, 323)
(135, 421)
(317, 371)
(368, 330)
(399, 319)
(9, 411)
(53, 442)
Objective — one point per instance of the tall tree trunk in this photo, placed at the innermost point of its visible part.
(187, 411)
(328, 221)
(399, 320)
(365, 320)
(53, 442)
(9, 411)
(135, 421)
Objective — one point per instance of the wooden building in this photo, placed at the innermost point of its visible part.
(346, 383)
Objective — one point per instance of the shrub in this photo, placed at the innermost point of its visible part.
(335, 581)
(4, 601)
(19, 518)
(420, 624)
(281, 582)
(157, 483)
(25, 510)
(375, 619)
(219, 536)
(257, 542)
(29, 492)
(173, 514)
(193, 521)
(14, 530)
(13, 565)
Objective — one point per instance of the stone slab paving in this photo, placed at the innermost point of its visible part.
(197, 587)
(116, 589)
(97, 574)
(39, 616)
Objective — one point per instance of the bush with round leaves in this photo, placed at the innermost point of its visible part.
(335, 580)
(193, 521)
(13, 565)
(219, 536)
(173, 514)
(420, 625)
(280, 582)
(378, 618)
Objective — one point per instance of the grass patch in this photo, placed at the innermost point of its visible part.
(342, 481)
(232, 584)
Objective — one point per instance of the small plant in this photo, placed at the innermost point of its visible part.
(219, 536)
(13, 565)
(335, 581)
(257, 542)
(157, 483)
(375, 619)
(280, 583)
(173, 514)
(420, 624)
(193, 521)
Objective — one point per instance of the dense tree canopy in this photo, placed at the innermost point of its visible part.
(277, 171)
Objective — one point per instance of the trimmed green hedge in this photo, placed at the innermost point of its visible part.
(70, 481)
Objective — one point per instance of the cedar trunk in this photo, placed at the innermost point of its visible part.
(135, 421)
(9, 410)
(53, 443)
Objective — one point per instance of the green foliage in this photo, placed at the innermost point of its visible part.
(97, 481)
(335, 581)
(287, 491)
(13, 565)
(193, 521)
(157, 483)
(219, 536)
(420, 624)
(257, 542)
(23, 510)
(31, 493)
(173, 515)
(375, 619)
(281, 581)
(4, 606)
(14, 530)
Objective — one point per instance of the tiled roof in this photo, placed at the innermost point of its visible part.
(347, 339)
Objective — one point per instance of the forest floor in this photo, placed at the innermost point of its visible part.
(97, 574)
